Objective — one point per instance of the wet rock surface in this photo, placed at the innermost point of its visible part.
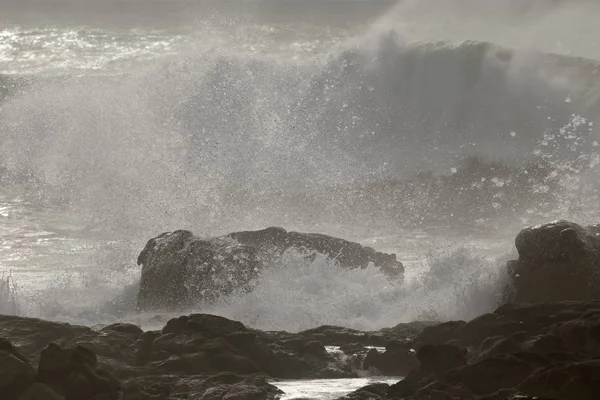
(180, 269)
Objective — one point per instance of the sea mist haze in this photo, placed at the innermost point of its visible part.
(432, 129)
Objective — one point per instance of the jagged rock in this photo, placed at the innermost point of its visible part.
(16, 374)
(180, 270)
(557, 261)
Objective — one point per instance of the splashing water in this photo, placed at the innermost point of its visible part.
(436, 140)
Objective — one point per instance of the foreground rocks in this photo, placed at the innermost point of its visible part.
(557, 261)
(180, 269)
(194, 356)
(542, 350)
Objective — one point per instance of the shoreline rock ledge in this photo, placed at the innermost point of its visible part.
(180, 269)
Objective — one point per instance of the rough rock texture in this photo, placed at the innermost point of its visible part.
(557, 261)
(179, 269)
(544, 350)
(195, 356)
(548, 350)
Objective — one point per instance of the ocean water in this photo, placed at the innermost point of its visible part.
(433, 129)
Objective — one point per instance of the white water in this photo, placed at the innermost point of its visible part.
(119, 125)
(326, 388)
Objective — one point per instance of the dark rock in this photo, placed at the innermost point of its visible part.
(407, 387)
(475, 331)
(336, 336)
(557, 261)
(39, 391)
(437, 359)
(351, 348)
(143, 348)
(499, 372)
(375, 391)
(294, 344)
(124, 328)
(409, 330)
(226, 386)
(496, 345)
(207, 324)
(439, 334)
(74, 373)
(31, 335)
(579, 381)
(315, 348)
(16, 374)
(285, 365)
(371, 360)
(581, 335)
(242, 340)
(180, 270)
(394, 362)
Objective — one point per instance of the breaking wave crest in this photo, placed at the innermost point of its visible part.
(297, 294)
(185, 143)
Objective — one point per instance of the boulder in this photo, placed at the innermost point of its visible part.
(557, 261)
(180, 270)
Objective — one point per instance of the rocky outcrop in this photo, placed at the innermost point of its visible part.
(180, 269)
(540, 350)
(557, 261)
(544, 350)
